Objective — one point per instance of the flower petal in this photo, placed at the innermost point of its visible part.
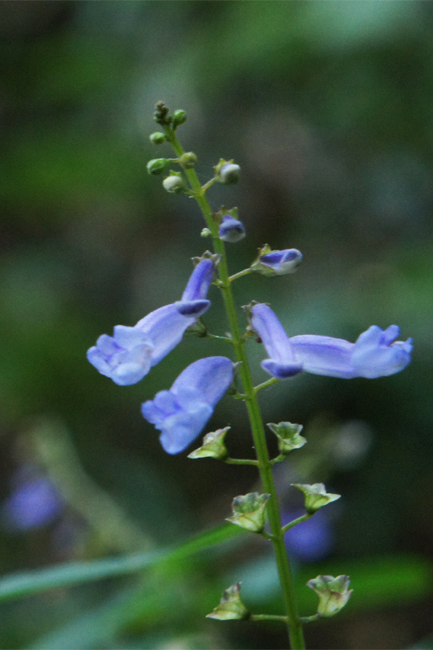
(324, 355)
(282, 362)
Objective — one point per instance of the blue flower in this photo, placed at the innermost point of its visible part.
(182, 412)
(376, 353)
(34, 503)
(231, 229)
(277, 262)
(127, 356)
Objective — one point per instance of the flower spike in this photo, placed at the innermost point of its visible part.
(127, 356)
(182, 412)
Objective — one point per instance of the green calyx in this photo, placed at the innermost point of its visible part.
(315, 496)
(231, 607)
(249, 511)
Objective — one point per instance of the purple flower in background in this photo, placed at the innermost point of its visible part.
(282, 362)
(231, 229)
(310, 540)
(376, 352)
(182, 412)
(34, 503)
(127, 356)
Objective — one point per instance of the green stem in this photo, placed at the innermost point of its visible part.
(268, 617)
(241, 461)
(295, 522)
(266, 384)
(284, 571)
(241, 273)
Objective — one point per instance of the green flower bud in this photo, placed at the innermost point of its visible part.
(157, 165)
(249, 511)
(161, 114)
(174, 183)
(226, 172)
(206, 232)
(231, 607)
(158, 137)
(188, 160)
(179, 117)
(213, 446)
(333, 593)
(288, 436)
(315, 496)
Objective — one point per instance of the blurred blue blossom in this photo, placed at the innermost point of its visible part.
(310, 540)
(231, 230)
(376, 352)
(34, 503)
(182, 412)
(127, 356)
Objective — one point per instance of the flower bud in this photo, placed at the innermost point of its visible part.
(213, 446)
(249, 511)
(206, 233)
(158, 137)
(157, 165)
(231, 607)
(288, 436)
(231, 229)
(188, 160)
(271, 262)
(174, 183)
(316, 496)
(333, 593)
(179, 117)
(226, 172)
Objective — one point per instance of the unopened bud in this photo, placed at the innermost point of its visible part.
(188, 160)
(333, 593)
(174, 183)
(231, 230)
(158, 137)
(179, 117)
(226, 172)
(271, 262)
(157, 165)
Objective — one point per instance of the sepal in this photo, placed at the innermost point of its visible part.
(231, 607)
(207, 255)
(188, 160)
(316, 496)
(333, 593)
(288, 436)
(179, 117)
(249, 511)
(213, 446)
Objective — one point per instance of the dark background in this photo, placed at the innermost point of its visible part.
(328, 108)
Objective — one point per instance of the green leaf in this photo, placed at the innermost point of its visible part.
(32, 582)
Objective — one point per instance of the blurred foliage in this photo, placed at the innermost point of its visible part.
(328, 108)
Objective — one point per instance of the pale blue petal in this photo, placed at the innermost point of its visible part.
(324, 355)
(210, 376)
(200, 281)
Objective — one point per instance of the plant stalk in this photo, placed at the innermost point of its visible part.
(295, 630)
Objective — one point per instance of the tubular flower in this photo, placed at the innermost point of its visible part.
(376, 353)
(127, 356)
(182, 412)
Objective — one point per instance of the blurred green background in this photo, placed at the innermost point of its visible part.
(328, 108)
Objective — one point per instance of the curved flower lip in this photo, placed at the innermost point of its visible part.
(282, 362)
(127, 356)
(376, 353)
(182, 412)
(231, 230)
